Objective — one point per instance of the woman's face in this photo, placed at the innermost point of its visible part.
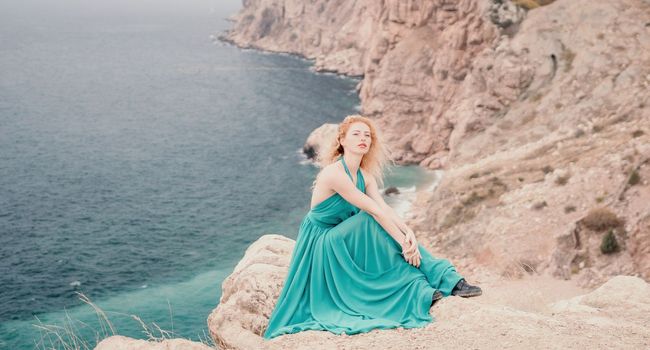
(357, 139)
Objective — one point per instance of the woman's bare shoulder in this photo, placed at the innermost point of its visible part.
(330, 171)
(368, 177)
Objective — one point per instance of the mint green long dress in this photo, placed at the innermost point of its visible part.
(347, 275)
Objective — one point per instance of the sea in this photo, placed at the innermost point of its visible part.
(139, 158)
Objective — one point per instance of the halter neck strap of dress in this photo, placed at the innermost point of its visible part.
(347, 170)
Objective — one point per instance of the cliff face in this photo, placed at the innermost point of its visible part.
(567, 143)
(436, 71)
(413, 55)
(538, 117)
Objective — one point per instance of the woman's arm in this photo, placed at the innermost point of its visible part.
(373, 192)
(409, 237)
(340, 183)
(393, 215)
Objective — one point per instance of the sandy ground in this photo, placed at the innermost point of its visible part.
(511, 314)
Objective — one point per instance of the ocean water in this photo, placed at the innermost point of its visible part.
(139, 159)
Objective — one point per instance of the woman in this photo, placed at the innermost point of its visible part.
(356, 266)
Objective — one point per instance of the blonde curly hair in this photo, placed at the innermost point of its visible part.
(374, 161)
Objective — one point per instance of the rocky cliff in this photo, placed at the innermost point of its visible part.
(540, 313)
(413, 55)
(535, 313)
(539, 115)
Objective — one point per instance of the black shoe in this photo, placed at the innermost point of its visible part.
(436, 296)
(466, 290)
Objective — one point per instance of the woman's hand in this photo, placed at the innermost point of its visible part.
(413, 243)
(410, 250)
(410, 235)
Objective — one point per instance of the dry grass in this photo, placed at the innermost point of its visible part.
(547, 169)
(597, 128)
(634, 178)
(472, 199)
(601, 219)
(568, 56)
(527, 4)
(67, 336)
(531, 4)
(536, 97)
(562, 180)
(637, 133)
(540, 205)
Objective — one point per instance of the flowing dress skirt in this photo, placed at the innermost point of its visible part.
(351, 278)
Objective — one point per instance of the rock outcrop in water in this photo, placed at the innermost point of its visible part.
(539, 117)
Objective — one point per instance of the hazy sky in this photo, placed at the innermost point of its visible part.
(76, 8)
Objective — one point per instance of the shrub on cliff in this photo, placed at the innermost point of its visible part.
(609, 244)
(600, 219)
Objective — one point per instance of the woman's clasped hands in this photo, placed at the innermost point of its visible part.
(410, 249)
